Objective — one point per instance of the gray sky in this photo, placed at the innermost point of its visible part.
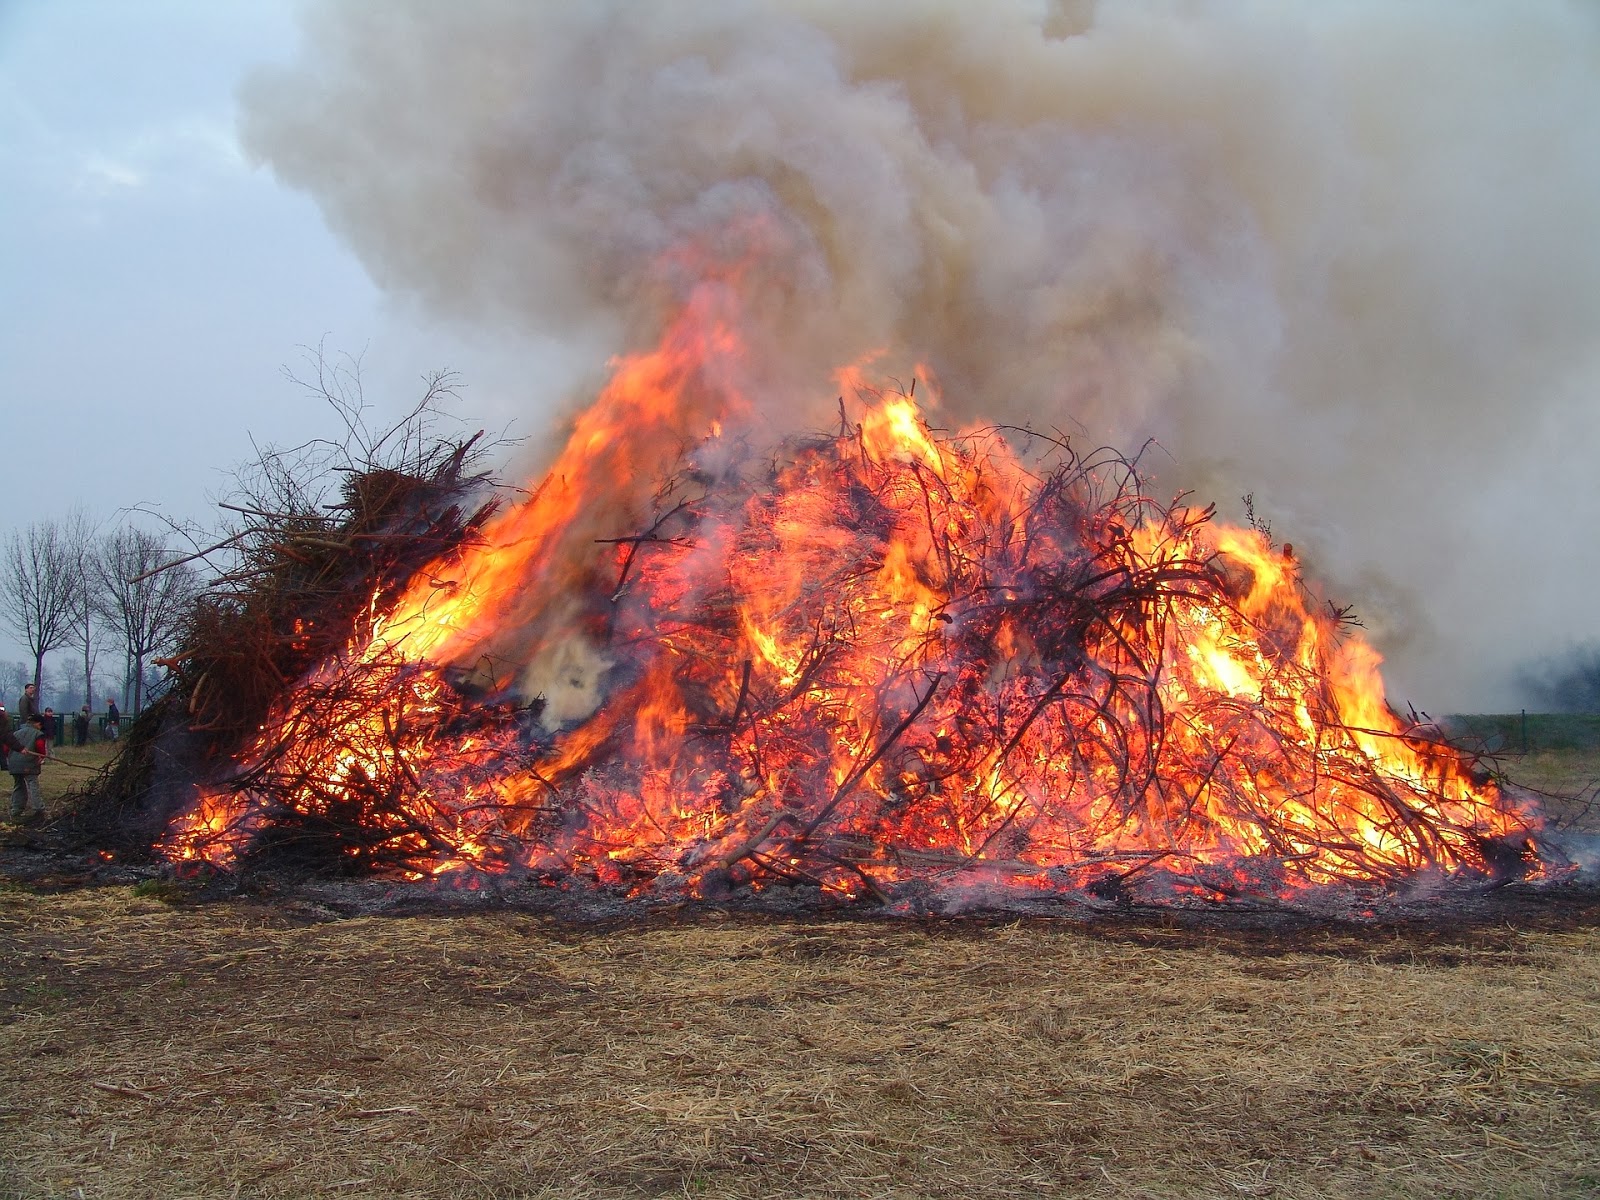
(1398, 326)
(153, 283)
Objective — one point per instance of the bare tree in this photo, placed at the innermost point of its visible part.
(142, 594)
(86, 618)
(56, 688)
(13, 675)
(41, 589)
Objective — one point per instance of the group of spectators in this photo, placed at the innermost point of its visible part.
(27, 744)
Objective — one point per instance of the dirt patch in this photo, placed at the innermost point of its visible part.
(263, 1050)
(354, 1039)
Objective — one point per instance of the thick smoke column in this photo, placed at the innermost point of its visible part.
(1341, 255)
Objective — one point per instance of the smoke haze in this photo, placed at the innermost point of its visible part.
(1340, 255)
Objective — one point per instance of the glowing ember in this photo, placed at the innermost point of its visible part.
(881, 662)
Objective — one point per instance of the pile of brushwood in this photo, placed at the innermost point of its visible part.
(363, 764)
(314, 536)
(337, 762)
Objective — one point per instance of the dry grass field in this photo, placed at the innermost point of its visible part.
(68, 769)
(263, 1047)
(1556, 755)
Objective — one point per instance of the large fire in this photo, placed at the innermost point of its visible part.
(884, 662)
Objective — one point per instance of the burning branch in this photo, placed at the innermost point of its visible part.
(870, 663)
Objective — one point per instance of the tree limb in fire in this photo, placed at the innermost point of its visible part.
(859, 662)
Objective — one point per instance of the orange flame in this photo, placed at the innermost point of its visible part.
(883, 660)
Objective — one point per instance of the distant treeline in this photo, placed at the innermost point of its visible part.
(104, 603)
(1516, 733)
(1566, 683)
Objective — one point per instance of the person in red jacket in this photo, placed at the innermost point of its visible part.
(24, 765)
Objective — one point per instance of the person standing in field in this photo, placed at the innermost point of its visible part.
(24, 765)
(27, 705)
(113, 718)
(10, 744)
(80, 727)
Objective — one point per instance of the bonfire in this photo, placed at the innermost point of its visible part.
(882, 663)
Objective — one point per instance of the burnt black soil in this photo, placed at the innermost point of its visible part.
(1438, 924)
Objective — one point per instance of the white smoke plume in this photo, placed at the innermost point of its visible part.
(1343, 255)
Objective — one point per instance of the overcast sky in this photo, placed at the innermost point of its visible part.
(153, 283)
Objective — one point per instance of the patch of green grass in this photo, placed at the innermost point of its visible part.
(44, 992)
(1561, 759)
(69, 768)
(1531, 733)
(164, 890)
